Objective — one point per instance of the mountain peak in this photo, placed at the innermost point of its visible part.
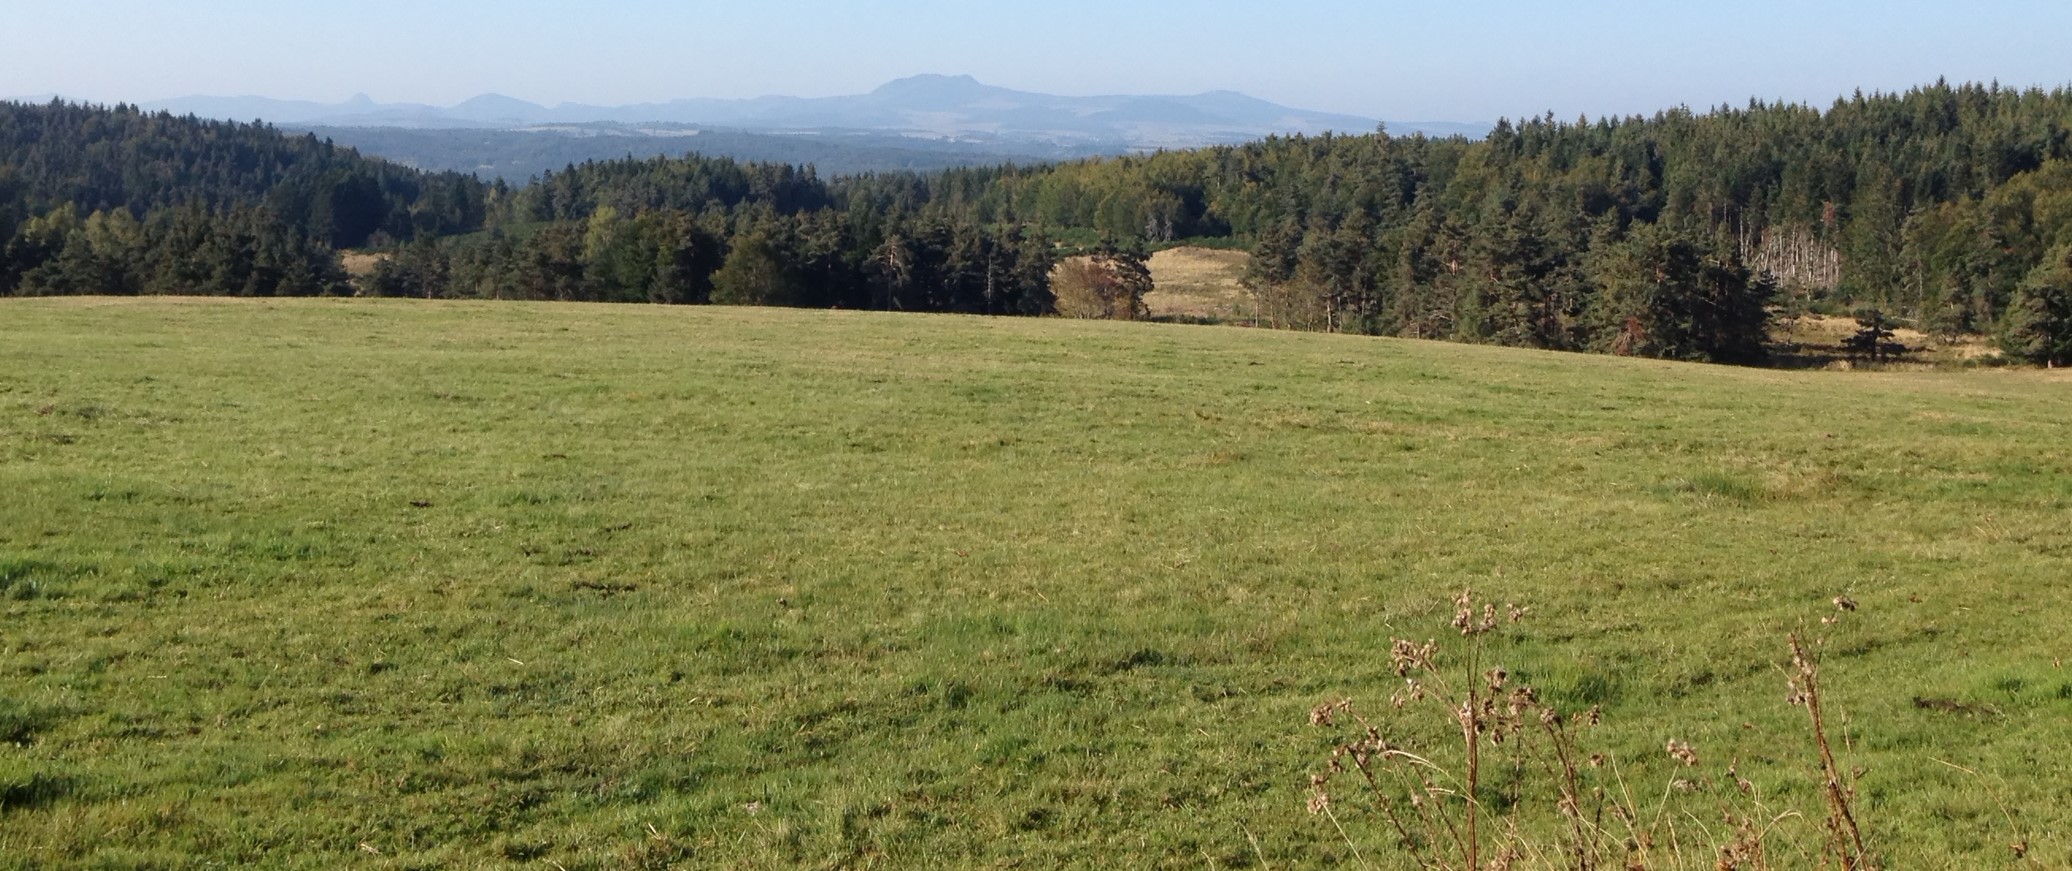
(932, 79)
(934, 86)
(492, 100)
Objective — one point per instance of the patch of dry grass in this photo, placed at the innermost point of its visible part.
(1823, 335)
(360, 264)
(1198, 284)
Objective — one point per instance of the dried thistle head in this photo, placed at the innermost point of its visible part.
(1740, 783)
(1319, 802)
(1683, 753)
(1413, 691)
(1844, 603)
(1523, 699)
(1408, 656)
(1467, 620)
(1745, 850)
(1590, 717)
(1322, 715)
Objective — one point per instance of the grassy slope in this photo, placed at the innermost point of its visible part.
(602, 586)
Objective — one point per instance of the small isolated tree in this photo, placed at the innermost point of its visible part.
(1110, 284)
(2039, 325)
(1950, 320)
(1873, 338)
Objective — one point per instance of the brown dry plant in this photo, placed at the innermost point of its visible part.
(1520, 788)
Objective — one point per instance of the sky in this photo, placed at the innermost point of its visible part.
(1435, 60)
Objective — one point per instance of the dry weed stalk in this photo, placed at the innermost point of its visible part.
(1554, 804)
(1844, 836)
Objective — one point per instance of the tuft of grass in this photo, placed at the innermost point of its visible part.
(1721, 486)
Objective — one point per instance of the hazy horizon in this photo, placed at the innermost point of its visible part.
(1380, 60)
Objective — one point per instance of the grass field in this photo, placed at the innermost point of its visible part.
(331, 584)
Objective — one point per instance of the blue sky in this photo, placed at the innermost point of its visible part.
(1432, 60)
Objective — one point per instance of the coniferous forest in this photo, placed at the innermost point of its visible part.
(1675, 236)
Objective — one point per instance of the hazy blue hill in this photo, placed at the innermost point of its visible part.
(499, 109)
(938, 106)
(1159, 110)
(936, 91)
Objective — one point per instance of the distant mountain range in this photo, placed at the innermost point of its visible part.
(929, 106)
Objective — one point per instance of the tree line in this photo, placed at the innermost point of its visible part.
(1676, 235)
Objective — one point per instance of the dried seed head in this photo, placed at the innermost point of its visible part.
(1327, 713)
(1795, 693)
(1683, 753)
(1413, 691)
(1740, 783)
(1524, 699)
(1408, 656)
(1844, 603)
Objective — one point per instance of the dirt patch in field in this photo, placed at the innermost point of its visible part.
(1198, 284)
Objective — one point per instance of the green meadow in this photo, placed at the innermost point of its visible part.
(326, 584)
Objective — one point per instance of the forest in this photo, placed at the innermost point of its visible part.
(1675, 236)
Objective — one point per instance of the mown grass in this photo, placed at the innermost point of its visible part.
(344, 583)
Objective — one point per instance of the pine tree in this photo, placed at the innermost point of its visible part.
(2040, 323)
(756, 273)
